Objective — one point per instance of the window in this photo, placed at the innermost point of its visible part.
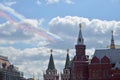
(105, 73)
(95, 74)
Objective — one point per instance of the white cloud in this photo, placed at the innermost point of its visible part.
(41, 21)
(34, 60)
(12, 11)
(52, 1)
(38, 2)
(69, 1)
(10, 3)
(94, 31)
(26, 30)
(58, 1)
(96, 34)
(9, 33)
(31, 22)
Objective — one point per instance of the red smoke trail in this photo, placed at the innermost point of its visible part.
(2, 14)
(23, 27)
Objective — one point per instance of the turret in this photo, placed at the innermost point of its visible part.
(66, 71)
(112, 46)
(80, 47)
(67, 63)
(51, 65)
(80, 40)
(79, 64)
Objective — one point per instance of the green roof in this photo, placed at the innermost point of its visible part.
(51, 65)
(67, 62)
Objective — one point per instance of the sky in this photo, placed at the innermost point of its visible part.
(30, 28)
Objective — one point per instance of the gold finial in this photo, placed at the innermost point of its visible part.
(67, 51)
(51, 51)
(80, 25)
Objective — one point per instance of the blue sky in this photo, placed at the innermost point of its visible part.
(30, 28)
(102, 9)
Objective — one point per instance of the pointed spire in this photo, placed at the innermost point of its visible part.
(51, 61)
(67, 60)
(112, 46)
(80, 40)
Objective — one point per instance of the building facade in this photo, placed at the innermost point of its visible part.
(104, 65)
(9, 71)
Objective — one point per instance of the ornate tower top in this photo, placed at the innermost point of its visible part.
(67, 60)
(51, 65)
(80, 40)
(112, 46)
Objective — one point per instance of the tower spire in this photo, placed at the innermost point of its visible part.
(51, 65)
(80, 40)
(112, 46)
(67, 60)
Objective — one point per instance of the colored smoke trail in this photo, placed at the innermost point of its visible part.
(49, 36)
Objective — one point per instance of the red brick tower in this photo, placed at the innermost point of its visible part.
(79, 64)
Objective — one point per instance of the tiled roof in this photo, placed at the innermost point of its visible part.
(51, 65)
(67, 64)
(112, 54)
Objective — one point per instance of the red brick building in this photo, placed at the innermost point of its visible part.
(104, 65)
